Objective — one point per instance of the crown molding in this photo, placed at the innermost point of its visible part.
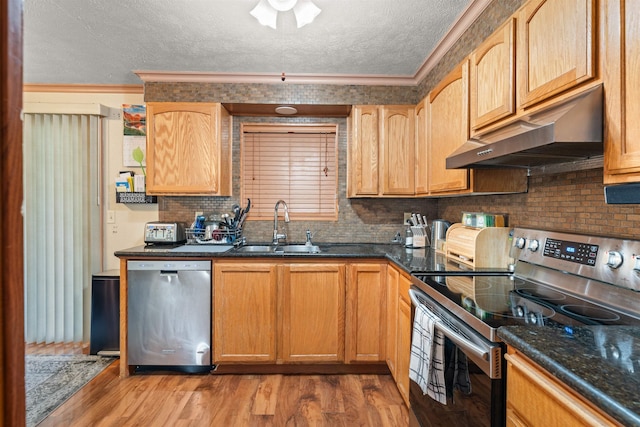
(83, 88)
(468, 17)
(266, 78)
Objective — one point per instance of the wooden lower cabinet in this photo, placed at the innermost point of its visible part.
(536, 398)
(393, 275)
(404, 337)
(244, 312)
(283, 313)
(313, 297)
(399, 328)
(365, 313)
(278, 313)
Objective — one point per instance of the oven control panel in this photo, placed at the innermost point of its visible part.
(581, 253)
(606, 259)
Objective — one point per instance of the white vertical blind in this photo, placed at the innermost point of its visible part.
(61, 223)
(295, 163)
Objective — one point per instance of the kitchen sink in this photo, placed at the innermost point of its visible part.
(257, 248)
(310, 249)
(297, 249)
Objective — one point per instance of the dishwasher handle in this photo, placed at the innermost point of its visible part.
(455, 337)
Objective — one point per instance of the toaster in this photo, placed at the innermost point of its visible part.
(164, 232)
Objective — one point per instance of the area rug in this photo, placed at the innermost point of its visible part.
(51, 380)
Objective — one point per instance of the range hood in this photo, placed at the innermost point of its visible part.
(569, 131)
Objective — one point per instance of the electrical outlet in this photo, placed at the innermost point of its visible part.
(407, 217)
(111, 217)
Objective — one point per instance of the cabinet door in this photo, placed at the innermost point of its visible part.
(244, 312)
(421, 160)
(404, 337)
(365, 316)
(448, 125)
(491, 76)
(555, 47)
(535, 398)
(313, 313)
(398, 148)
(188, 149)
(392, 319)
(364, 153)
(622, 74)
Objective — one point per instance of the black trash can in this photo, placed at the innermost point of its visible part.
(105, 313)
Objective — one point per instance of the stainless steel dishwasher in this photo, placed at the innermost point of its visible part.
(169, 314)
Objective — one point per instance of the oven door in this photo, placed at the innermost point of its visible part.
(485, 404)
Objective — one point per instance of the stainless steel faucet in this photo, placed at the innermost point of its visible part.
(279, 236)
(309, 235)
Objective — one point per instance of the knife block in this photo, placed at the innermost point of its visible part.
(420, 236)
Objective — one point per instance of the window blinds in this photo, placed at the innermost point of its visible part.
(295, 163)
(61, 224)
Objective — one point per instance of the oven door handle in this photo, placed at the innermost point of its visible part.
(456, 338)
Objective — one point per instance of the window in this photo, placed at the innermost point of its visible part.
(295, 163)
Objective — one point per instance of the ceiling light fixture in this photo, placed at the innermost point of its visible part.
(266, 11)
(286, 110)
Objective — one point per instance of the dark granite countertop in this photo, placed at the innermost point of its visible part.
(585, 360)
(407, 259)
(410, 260)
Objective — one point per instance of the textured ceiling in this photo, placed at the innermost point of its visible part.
(104, 41)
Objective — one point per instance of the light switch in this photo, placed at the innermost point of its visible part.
(111, 217)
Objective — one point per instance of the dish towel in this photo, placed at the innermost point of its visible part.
(426, 365)
(456, 373)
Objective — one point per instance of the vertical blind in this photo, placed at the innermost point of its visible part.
(61, 224)
(296, 163)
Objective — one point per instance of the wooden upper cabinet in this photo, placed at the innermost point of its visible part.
(492, 78)
(421, 159)
(364, 153)
(188, 149)
(382, 150)
(621, 77)
(448, 129)
(555, 47)
(398, 148)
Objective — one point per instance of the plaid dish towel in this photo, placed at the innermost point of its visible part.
(426, 365)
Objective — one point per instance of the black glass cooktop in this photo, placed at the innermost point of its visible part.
(508, 300)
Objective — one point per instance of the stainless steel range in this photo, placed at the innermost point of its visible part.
(559, 280)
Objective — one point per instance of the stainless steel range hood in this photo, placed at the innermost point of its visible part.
(568, 131)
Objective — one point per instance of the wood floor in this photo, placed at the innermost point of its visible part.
(232, 400)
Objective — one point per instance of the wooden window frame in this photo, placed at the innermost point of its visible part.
(262, 203)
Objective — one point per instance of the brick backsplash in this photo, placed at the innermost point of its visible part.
(570, 201)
